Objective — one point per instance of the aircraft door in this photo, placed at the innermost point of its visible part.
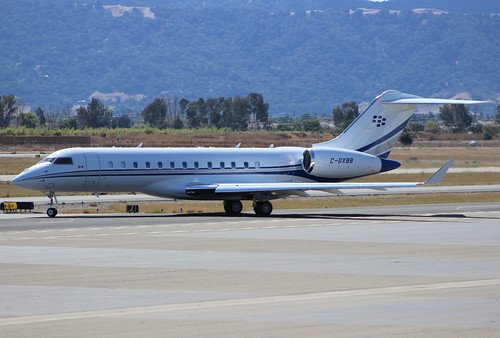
(93, 170)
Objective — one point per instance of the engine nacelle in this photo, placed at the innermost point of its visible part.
(343, 163)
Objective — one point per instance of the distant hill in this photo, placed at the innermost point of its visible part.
(303, 56)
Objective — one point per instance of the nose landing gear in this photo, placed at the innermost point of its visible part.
(52, 210)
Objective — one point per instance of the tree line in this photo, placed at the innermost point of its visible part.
(236, 113)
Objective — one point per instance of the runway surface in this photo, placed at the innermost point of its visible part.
(405, 270)
(446, 189)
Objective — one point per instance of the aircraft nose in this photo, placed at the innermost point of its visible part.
(22, 180)
(17, 180)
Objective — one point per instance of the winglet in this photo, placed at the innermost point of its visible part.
(439, 175)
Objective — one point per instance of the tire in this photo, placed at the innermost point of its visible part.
(264, 208)
(233, 207)
(52, 212)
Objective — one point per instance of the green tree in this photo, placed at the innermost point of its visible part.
(490, 132)
(345, 114)
(154, 114)
(456, 116)
(183, 104)
(259, 109)
(497, 116)
(431, 126)
(241, 113)
(122, 121)
(415, 127)
(94, 115)
(40, 114)
(406, 138)
(197, 113)
(28, 120)
(70, 123)
(8, 108)
(311, 125)
(177, 123)
(215, 107)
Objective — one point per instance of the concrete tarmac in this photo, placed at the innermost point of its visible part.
(424, 270)
(431, 189)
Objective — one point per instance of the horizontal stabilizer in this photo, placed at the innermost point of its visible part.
(423, 100)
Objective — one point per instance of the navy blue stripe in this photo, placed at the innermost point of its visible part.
(292, 171)
(163, 172)
(384, 138)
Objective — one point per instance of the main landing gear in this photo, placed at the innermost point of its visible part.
(52, 210)
(261, 208)
(233, 207)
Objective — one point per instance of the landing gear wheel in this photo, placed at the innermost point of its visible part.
(52, 212)
(233, 207)
(264, 208)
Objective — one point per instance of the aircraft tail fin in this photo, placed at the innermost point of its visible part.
(376, 130)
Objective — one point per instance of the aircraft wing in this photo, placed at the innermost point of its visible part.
(291, 188)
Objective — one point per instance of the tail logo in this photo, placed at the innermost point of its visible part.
(379, 120)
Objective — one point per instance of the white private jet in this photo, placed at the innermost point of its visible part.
(235, 174)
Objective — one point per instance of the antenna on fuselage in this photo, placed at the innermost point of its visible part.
(238, 145)
(140, 145)
(271, 145)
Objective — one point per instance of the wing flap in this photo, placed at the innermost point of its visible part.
(226, 188)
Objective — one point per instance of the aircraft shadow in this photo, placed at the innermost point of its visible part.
(333, 216)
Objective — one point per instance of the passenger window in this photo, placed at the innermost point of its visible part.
(63, 160)
(172, 165)
(184, 165)
(222, 165)
(110, 165)
(148, 165)
(245, 164)
(135, 165)
(123, 165)
(257, 165)
(233, 165)
(196, 165)
(209, 165)
(160, 165)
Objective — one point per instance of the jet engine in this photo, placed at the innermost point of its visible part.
(343, 163)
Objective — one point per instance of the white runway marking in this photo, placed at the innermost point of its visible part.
(247, 301)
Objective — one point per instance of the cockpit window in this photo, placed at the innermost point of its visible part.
(63, 160)
(47, 159)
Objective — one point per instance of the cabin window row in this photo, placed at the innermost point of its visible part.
(183, 165)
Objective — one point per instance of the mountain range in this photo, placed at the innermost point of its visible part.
(303, 56)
